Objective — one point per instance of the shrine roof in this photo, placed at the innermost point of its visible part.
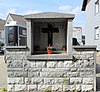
(49, 15)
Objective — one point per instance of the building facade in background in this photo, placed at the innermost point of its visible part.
(15, 27)
(77, 34)
(2, 23)
(92, 8)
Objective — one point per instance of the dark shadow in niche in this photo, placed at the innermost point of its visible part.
(97, 78)
(97, 68)
(97, 83)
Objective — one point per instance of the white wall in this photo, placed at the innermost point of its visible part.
(77, 33)
(92, 21)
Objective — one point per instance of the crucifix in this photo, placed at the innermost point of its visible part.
(50, 30)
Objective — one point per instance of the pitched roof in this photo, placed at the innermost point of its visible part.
(49, 15)
(19, 18)
(2, 23)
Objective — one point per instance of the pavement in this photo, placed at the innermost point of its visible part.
(3, 72)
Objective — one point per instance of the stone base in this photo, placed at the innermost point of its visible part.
(55, 75)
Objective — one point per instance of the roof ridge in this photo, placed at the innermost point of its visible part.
(15, 14)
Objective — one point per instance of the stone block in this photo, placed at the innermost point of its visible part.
(75, 80)
(10, 88)
(32, 88)
(15, 69)
(69, 88)
(76, 52)
(88, 80)
(68, 64)
(33, 64)
(18, 56)
(61, 64)
(87, 74)
(85, 69)
(89, 56)
(20, 74)
(89, 70)
(26, 64)
(35, 69)
(10, 57)
(10, 52)
(15, 80)
(33, 74)
(57, 88)
(37, 81)
(49, 69)
(44, 87)
(78, 87)
(63, 69)
(51, 64)
(89, 63)
(89, 52)
(79, 63)
(82, 56)
(15, 64)
(40, 64)
(49, 81)
(61, 74)
(10, 74)
(74, 69)
(81, 69)
(10, 64)
(87, 88)
(73, 74)
(20, 87)
(66, 81)
(47, 74)
(28, 80)
(59, 81)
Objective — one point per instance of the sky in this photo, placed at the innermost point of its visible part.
(23, 7)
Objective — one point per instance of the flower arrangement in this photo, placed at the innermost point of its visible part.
(49, 49)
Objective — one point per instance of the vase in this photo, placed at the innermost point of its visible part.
(49, 51)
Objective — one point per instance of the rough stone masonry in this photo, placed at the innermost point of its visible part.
(74, 75)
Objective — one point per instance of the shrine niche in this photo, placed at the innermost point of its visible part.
(46, 34)
(54, 29)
